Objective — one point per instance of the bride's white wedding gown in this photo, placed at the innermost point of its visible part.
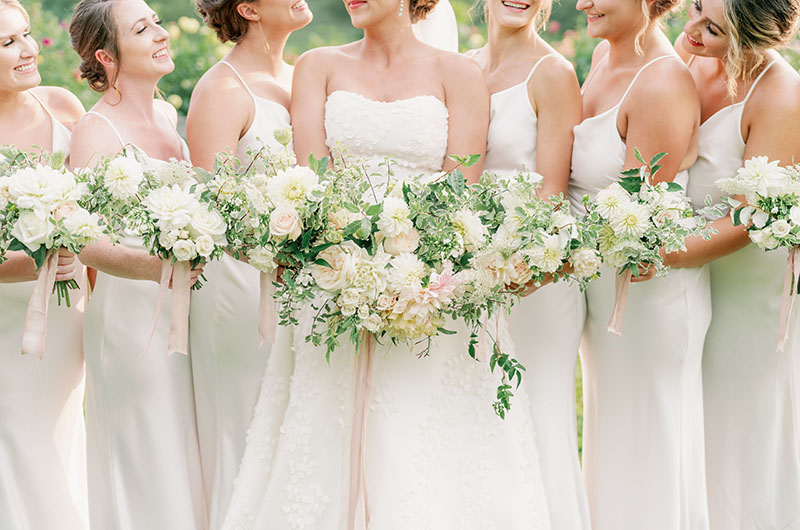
(437, 457)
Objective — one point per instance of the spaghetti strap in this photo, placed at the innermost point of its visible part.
(110, 123)
(535, 66)
(753, 87)
(239, 77)
(47, 110)
(592, 73)
(642, 69)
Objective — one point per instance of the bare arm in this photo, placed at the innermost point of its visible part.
(663, 117)
(467, 100)
(558, 108)
(309, 93)
(219, 115)
(774, 130)
(92, 139)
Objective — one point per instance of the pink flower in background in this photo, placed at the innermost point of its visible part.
(47, 42)
(63, 25)
(554, 27)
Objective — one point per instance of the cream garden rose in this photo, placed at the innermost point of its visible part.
(402, 244)
(342, 267)
(285, 222)
(184, 250)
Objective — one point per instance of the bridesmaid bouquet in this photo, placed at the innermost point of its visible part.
(634, 220)
(771, 213)
(41, 212)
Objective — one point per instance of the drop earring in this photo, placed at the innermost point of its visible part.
(264, 36)
(400, 12)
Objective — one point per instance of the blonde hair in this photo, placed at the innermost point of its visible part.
(754, 27)
(19, 7)
(652, 15)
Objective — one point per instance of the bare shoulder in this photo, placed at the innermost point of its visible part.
(457, 67)
(219, 89)
(651, 84)
(777, 94)
(170, 111)
(600, 51)
(321, 58)
(93, 135)
(556, 69)
(65, 106)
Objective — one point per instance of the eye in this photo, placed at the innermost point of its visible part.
(696, 5)
(159, 21)
(142, 30)
(8, 43)
(711, 30)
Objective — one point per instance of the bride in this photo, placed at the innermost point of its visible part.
(435, 456)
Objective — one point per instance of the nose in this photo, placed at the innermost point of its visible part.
(161, 34)
(30, 49)
(583, 5)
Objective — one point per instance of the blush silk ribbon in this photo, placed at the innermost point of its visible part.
(358, 435)
(181, 274)
(266, 308)
(790, 284)
(35, 331)
(623, 281)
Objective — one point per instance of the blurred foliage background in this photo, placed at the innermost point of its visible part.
(195, 48)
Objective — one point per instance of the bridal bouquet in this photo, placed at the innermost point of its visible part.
(397, 267)
(635, 219)
(41, 212)
(771, 213)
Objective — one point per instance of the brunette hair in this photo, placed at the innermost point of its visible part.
(652, 13)
(92, 28)
(223, 18)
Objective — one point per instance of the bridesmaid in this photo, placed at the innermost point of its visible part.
(750, 107)
(643, 428)
(236, 106)
(42, 440)
(144, 461)
(535, 103)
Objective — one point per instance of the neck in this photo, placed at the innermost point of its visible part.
(263, 51)
(10, 102)
(506, 43)
(136, 97)
(389, 38)
(622, 50)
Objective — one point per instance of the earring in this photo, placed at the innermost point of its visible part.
(400, 12)
(264, 36)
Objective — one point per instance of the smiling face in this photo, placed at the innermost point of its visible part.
(143, 43)
(706, 33)
(513, 13)
(283, 16)
(18, 52)
(610, 19)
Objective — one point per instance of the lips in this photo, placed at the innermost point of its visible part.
(160, 54)
(299, 5)
(355, 5)
(516, 6)
(593, 17)
(26, 68)
(693, 42)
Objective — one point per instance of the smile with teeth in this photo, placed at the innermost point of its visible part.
(593, 16)
(299, 5)
(515, 5)
(160, 53)
(692, 41)
(26, 67)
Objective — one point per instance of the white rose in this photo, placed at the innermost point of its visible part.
(32, 230)
(586, 262)
(123, 176)
(167, 239)
(342, 217)
(781, 228)
(210, 223)
(794, 215)
(402, 244)
(764, 239)
(285, 222)
(184, 250)
(348, 310)
(204, 245)
(373, 323)
(350, 297)
(336, 276)
(262, 259)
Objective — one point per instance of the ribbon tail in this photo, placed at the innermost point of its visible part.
(181, 301)
(266, 308)
(163, 287)
(358, 437)
(34, 334)
(623, 281)
(787, 299)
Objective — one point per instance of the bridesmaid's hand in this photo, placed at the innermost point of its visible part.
(66, 266)
(196, 273)
(648, 272)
